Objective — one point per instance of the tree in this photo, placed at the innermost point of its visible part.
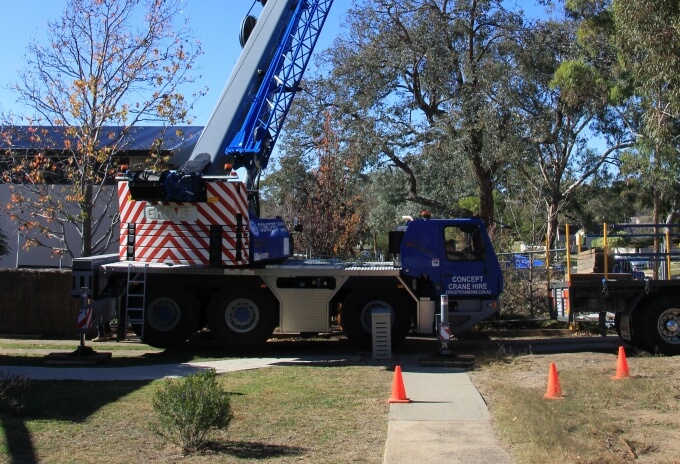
(110, 63)
(604, 199)
(324, 193)
(413, 79)
(648, 36)
(565, 100)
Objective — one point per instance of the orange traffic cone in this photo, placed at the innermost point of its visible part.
(398, 392)
(554, 392)
(622, 366)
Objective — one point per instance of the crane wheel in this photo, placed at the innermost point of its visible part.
(357, 311)
(242, 319)
(170, 317)
(661, 325)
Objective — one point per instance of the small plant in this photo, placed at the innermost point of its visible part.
(12, 389)
(190, 409)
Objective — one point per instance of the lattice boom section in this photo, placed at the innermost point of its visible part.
(207, 233)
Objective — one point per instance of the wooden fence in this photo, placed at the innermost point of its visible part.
(37, 302)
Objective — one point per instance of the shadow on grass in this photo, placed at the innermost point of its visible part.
(253, 450)
(63, 401)
(19, 445)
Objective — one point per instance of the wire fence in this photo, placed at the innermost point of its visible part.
(637, 251)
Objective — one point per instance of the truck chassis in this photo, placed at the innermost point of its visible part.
(646, 309)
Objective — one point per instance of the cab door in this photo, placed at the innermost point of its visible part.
(463, 269)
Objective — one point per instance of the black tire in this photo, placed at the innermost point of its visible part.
(662, 325)
(617, 324)
(170, 317)
(356, 316)
(243, 320)
(637, 332)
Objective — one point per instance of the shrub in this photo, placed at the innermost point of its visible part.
(525, 294)
(190, 409)
(12, 389)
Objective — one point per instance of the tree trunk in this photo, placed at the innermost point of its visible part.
(484, 176)
(86, 211)
(657, 207)
(553, 224)
(486, 198)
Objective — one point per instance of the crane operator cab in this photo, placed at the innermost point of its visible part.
(456, 256)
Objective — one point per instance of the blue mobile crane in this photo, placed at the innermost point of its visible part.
(195, 253)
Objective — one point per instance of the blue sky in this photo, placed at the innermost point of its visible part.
(215, 24)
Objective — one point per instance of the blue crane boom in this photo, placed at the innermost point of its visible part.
(254, 142)
(252, 108)
(249, 115)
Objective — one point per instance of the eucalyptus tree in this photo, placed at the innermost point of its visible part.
(647, 33)
(607, 199)
(412, 80)
(566, 101)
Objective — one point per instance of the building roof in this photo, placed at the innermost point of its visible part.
(138, 138)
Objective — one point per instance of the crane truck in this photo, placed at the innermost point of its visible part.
(194, 252)
(645, 302)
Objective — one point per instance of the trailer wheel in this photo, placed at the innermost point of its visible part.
(617, 324)
(170, 318)
(242, 320)
(356, 317)
(662, 325)
(638, 337)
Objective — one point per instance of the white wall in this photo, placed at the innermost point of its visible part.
(42, 256)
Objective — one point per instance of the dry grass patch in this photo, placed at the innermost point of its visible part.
(599, 420)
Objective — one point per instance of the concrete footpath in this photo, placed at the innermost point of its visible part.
(447, 420)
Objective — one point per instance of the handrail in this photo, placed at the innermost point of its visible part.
(668, 256)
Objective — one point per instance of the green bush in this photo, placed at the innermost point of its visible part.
(190, 409)
(12, 391)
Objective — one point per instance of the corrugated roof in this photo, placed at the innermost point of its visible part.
(138, 138)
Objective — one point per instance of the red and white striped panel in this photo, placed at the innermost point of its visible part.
(179, 233)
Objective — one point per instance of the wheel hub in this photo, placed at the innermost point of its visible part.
(163, 314)
(242, 315)
(672, 326)
(669, 325)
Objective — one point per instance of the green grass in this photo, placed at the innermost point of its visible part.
(284, 414)
(32, 353)
(66, 346)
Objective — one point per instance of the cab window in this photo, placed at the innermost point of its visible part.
(463, 243)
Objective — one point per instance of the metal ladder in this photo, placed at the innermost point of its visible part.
(136, 298)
